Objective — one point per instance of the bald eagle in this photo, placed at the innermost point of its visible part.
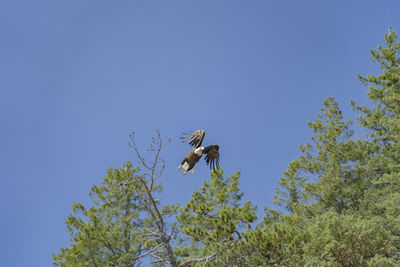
(195, 138)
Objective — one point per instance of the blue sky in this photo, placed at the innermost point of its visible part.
(79, 76)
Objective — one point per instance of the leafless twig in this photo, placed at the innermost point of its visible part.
(149, 252)
(149, 200)
(206, 259)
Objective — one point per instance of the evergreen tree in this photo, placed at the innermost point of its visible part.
(127, 222)
(213, 221)
(329, 173)
(107, 234)
(382, 120)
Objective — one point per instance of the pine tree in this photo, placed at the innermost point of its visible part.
(213, 221)
(328, 174)
(126, 222)
(107, 233)
(382, 120)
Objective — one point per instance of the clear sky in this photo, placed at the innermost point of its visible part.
(78, 76)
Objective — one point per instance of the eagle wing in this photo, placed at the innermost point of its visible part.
(212, 155)
(195, 138)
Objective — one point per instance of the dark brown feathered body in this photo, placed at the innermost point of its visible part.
(191, 159)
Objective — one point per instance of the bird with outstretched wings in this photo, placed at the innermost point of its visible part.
(195, 139)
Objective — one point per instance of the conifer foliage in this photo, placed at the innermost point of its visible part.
(341, 199)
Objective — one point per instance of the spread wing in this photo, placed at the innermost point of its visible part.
(212, 155)
(195, 138)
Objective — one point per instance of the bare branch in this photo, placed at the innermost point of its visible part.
(206, 259)
(142, 160)
(159, 261)
(151, 233)
(159, 217)
(170, 234)
(149, 252)
(156, 158)
(148, 198)
(158, 175)
(157, 257)
(149, 208)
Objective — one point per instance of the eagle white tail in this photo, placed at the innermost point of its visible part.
(185, 166)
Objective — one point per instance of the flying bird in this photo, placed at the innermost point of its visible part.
(195, 138)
